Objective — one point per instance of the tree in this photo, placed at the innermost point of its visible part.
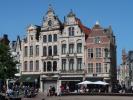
(7, 63)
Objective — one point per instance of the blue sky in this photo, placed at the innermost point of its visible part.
(16, 15)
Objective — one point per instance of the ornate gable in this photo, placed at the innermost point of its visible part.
(50, 21)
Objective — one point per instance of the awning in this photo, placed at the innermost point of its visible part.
(85, 83)
(29, 78)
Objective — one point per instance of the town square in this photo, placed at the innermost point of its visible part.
(62, 50)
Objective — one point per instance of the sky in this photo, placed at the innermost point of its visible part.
(17, 15)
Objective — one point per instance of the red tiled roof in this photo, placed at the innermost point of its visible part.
(83, 28)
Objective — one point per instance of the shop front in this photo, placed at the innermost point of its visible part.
(49, 82)
(70, 83)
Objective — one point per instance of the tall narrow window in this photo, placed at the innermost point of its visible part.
(79, 47)
(55, 50)
(25, 66)
(90, 67)
(44, 51)
(71, 48)
(31, 65)
(37, 50)
(50, 51)
(98, 68)
(49, 66)
(71, 31)
(63, 48)
(79, 63)
(71, 64)
(31, 50)
(37, 65)
(106, 52)
(45, 38)
(54, 66)
(44, 66)
(90, 53)
(25, 51)
(55, 37)
(63, 64)
(105, 68)
(49, 38)
(98, 52)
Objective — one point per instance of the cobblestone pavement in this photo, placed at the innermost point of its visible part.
(41, 96)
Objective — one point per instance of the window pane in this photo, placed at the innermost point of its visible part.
(54, 66)
(25, 66)
(98, 52)
(71, 64)
(79, 63)
(90, 67)
(71, 48)
(50, 38)
(44, 38)
(31, 65)
(44, 66)
(25, 51)
(79, 47)
(55, 37)
(98, 67)
(49, 66)
(55, 50)
(44, 51)
(90, 53)
(37, 50)
(50, 51)
(71, 31)
(97, 40)
(37, 65)
(31, 50)
(63, 48)
(63, 64)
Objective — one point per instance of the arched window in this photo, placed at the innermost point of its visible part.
(49, 22)
(25, 51)
(54, 66)
(55, 50)
(71, 31)
(50, 51)
(49, 38)
(45, 38)
(55, 37)
(44, 51)
(49, 66)
(25, 66)
(31, 50)
(44, 66)
(31, 65)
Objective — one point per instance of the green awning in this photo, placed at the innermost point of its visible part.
(29, 78)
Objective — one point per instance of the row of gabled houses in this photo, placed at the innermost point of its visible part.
(125, 70)
(65, 53)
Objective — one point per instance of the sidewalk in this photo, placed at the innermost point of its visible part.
(40, 96)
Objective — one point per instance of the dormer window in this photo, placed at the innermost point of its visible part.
(71, 31)
(31, 37)
(97, 40)
(49, 23)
